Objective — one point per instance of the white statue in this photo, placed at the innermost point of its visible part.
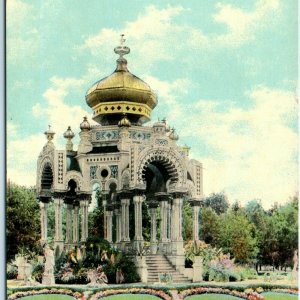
(48, 276)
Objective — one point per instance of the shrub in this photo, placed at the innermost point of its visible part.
(37, 272)
(11, 271)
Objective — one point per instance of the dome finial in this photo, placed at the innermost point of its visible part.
(49, 134)
(122, 50)
(122, 40)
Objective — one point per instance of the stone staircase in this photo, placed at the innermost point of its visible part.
(158, 264)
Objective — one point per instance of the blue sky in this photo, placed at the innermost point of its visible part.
(225, 73)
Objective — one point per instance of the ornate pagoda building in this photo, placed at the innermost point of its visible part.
(132, 164)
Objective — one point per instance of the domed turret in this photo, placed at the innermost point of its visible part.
(68, 135)
(121, 92)
(85, 125)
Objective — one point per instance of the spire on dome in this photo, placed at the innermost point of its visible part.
(122, 50)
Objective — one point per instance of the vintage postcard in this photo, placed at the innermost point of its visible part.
(151, 149)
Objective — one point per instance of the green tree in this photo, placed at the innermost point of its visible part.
(237, 236)
(22, 220)
(285, 225)
(259, 218)
(187, 221)
(218, 202)
(96, 218)
(209, 226)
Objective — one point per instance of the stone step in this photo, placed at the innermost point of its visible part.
(174, 280)
(150, 266)
(159, 264)
(166, 271)
(173, 275)
(155, 260)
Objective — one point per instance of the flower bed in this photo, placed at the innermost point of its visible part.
(76, 295)
(153, 292)
(250, 295)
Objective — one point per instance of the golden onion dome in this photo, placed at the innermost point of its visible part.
(121, 92)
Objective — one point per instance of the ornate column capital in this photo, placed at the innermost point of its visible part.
(138, 191)
(125, 194)
(84, 197)
(152, 204)
(109, 207)
(45, 196)
(59, 194)
(177, 194)
(162, 196)
(195, 202)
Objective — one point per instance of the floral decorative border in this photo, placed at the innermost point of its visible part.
(76, 295)
(254, 293)
(157, 293)
(250, 295)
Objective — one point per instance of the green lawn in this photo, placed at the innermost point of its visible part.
(279, 296)
(212, 297)
(131, 297)
(48, 297)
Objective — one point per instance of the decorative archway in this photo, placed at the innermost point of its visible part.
(167, 162)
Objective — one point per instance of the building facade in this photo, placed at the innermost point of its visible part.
(131, 163)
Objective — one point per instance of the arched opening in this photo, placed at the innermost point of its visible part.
(157, 173)
(46, 183)
(47, 177)
(96, 194)
(71, 193)
(96, 212)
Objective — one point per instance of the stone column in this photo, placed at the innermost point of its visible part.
(177, 240)
(58, 237)
(44, 221)
(163, 221)
(69, 211)
(76, 225)
(196, 209)
(177, 219)
(118, 225)
(138, 225)
(173, 229)
(169, 227)
(84, 219)
(163, 199)
(104, 203)
(169, 220)
(109, 215)
(153, 240)
(125, 220)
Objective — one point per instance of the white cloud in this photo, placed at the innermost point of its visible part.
(58, 113)
(164, 41)
(242, 25)
(151, 43)
(21, 36)
(22, 154)
(11, 129)
(256, 146)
